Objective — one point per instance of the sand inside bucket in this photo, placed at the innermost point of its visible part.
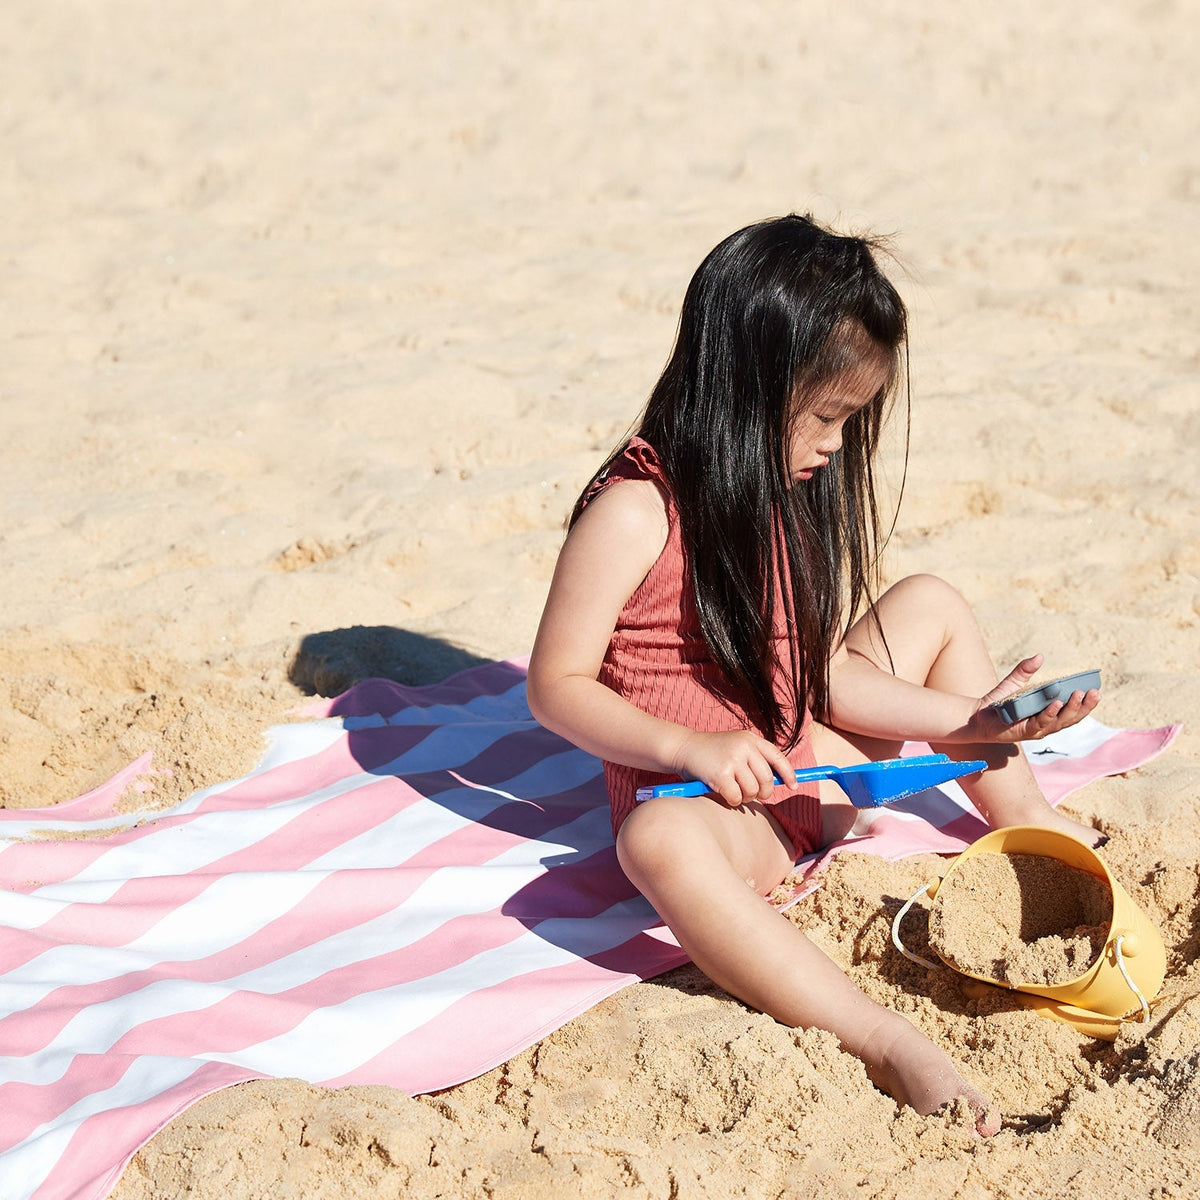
(1020, 919)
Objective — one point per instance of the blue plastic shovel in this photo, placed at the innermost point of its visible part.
(867, 784)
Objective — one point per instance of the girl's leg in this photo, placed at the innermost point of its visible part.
(933, 639)
(838, 816)
(702, 866)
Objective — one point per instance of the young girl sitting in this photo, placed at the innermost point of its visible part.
(696, 627)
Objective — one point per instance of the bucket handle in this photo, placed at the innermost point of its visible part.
(917, 958)
(1133, 987)
(896, 928)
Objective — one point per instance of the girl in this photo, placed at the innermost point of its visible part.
(696, 628)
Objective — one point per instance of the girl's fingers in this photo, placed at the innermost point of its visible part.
(753, 780)
(1015, 681)
(730, 790)
(772, 765)
(784, 769)
(1059, 715)
(775, 763)
(760, 782)
(748, 781)
(745, 768)
(1078, 705)
(747, 786)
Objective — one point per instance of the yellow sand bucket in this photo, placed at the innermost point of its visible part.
(1126, 975)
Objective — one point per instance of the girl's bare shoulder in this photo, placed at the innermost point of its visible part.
(610, 549)
(632, 511)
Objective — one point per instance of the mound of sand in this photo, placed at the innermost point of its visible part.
(1021, 919)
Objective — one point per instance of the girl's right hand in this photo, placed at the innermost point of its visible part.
(738, 766)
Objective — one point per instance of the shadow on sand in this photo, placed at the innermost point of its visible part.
(329, 662)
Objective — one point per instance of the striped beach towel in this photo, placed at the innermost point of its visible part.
(409, 889)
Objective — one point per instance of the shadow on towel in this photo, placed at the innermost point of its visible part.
(523, 785)
(334, 660)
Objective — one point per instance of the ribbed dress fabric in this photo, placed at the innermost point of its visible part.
(659, 662)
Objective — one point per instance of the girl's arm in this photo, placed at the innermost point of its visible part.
(607, 554)
(864, 698)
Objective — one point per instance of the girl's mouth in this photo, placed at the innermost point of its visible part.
(808, 472)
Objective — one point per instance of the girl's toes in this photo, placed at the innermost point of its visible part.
(987, 1121)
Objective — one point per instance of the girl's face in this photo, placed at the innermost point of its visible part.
(817, 428)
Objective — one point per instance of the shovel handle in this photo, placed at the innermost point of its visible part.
(697, 787)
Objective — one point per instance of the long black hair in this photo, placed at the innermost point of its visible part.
(775, 312)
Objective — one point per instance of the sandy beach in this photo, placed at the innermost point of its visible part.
(315, 320)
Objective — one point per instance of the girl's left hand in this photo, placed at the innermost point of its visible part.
(987, 725)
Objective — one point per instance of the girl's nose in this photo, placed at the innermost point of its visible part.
(830, 441)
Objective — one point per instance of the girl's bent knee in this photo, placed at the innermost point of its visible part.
(929, 594)
(643, 835)
(925, 586)
(655, 834)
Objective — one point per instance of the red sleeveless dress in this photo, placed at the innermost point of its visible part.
(659, 661)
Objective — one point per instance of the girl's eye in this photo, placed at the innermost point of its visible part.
(825, 420)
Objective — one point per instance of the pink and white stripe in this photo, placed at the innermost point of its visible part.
(407, 890)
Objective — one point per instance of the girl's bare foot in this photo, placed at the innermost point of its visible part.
(1085, 833)
(1046, 817)
(904, 1063)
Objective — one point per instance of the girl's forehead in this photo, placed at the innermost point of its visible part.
(856, 385)
(868, 375)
